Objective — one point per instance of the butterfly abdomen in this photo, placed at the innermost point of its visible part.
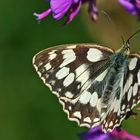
(113, 78)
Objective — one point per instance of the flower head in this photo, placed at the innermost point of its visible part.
(132, 6)
(97, 134)
(70, 8)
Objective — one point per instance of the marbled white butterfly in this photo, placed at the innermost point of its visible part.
(94, 84)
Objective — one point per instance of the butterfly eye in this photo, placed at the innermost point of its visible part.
(127, 46)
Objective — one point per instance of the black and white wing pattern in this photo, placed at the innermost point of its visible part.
(132, 84)
(83, 78)
(73, 72)
(130, 95)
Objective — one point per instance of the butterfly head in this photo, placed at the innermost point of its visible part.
(126, 44)
(126, 48)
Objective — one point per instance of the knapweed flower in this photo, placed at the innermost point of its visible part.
(132, 6)
(69, 8)
(97, 134)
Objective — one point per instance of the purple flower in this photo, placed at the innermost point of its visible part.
(70, 8)
(132, 6)
(97, 134)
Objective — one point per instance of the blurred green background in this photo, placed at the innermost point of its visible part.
(28, 110)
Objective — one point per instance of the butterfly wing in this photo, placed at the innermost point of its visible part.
(132, 84)
(68, 68)
(70, 71)
(130, 94)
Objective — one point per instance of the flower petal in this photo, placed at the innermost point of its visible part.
(93, 11)
(124, 135)
(138, 3)
(74, 11)
(128, 6)
(97, 134)
(60, 7)
(43, 14)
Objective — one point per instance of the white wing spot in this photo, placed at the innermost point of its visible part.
(106, 125)
(102, 114)
(40, 63)
(62, 73)
(69, 107)
(52, 82)
(96, 120)
(68, 51)
(67, 61)
(69, 94)
(135, 89)
(94, 55)
(96, 124)
(69, 79)
(52, 56)
(94, 99)
(48, 66)
(59, 89)
(101, 76)
(111, 124)
(75, 100)
(51, 52)
(68, 54)
(116, 105)
(129, 94)
(133, 63)
(46, 75)
(81, 69)
(123, 107)
(99, 104)
(78, 87)
(87, 119)
(72, 46)
(84, 77)
(85, 97)
(128, 83)
(77, 114)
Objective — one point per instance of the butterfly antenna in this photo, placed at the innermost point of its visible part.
(132, 35)
(108, 16)
(122, 39)
(117, 29)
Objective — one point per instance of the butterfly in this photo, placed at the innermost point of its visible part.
(95, 84)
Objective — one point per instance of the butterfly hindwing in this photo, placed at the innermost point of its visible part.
(130, 95)
(82, 111)
(132, 84)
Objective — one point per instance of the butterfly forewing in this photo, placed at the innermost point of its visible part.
(72, 72)
(68, 69)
